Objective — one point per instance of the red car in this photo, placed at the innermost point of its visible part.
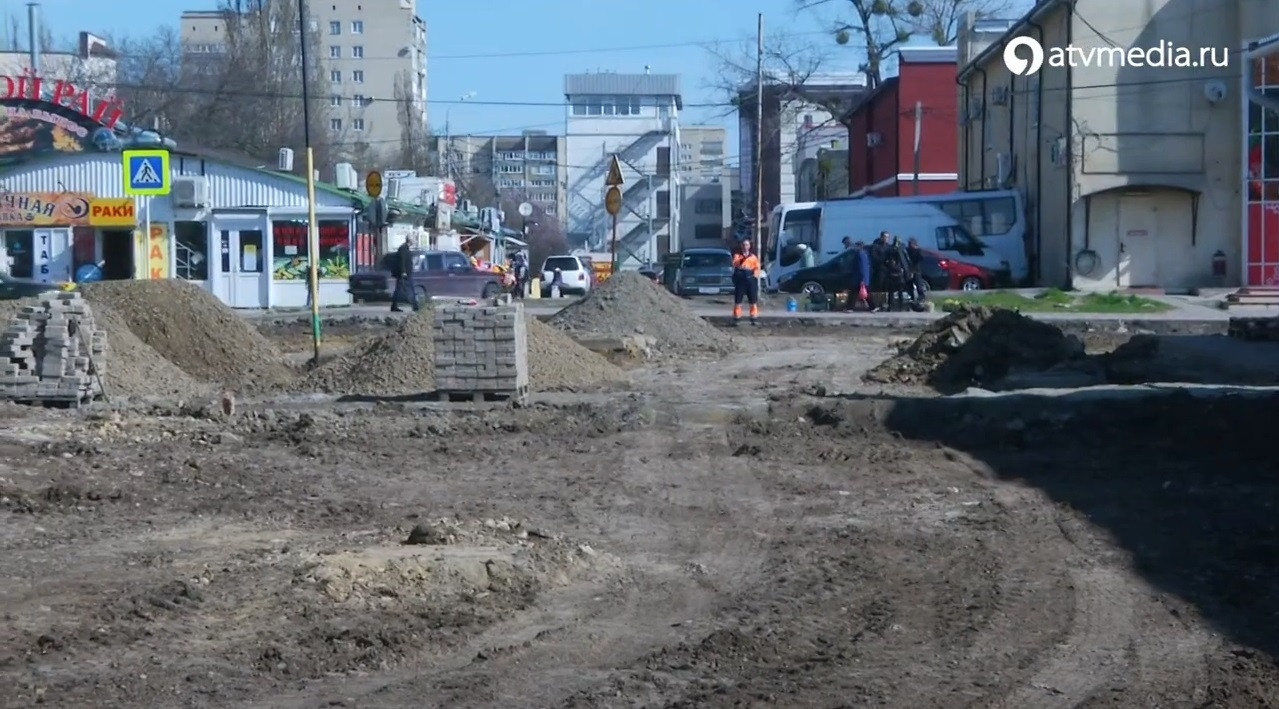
(945, 273)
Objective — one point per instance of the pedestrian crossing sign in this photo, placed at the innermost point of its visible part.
(146, 172)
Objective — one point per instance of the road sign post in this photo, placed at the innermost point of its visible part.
(146, 174)
(613, 202)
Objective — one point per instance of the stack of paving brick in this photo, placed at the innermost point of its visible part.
(53, 351)
(481, 349)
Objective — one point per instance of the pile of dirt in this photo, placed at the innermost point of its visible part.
(630, 304)
(978, 346)
(556, 362)
(133, 368)
(399, 363)
(192, 329)
(402, 362)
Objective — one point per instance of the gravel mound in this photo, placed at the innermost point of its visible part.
(133, 368)
(399, 363)
(556, 362)
(402, 362)
(192, 329)
(978, 346)
(630, 304)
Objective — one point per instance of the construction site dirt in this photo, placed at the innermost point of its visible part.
(758, 527)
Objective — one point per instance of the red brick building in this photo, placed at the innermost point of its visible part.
(881, 130)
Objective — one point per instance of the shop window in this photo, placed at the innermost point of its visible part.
(251, 254)
(1261, 247)
(191, 251)
(18, 245)
(289, 247)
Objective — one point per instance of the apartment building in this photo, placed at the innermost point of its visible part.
(791, 115)
(373, 54)
(701, 152)
(523, 168)
(1134, 174)
(636, 118)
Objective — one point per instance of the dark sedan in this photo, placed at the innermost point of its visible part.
(704, 271)
(17, 288)
(436, 274)
(940, 273)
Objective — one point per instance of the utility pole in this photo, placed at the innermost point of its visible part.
(919, 130)
(652, 205)
(313, 231)
(759, 139)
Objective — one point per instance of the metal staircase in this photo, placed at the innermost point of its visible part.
(585, 204)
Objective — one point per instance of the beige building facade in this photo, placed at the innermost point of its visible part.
(1134, 175)
(374, 58)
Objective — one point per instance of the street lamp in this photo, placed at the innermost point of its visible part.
(313, 234)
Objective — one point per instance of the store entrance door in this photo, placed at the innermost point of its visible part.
(52, 255)
(242, 280)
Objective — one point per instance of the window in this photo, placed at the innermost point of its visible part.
(335, 52)
(708, 259)
(664, 205)
(357, 76)
(708, 206)
(251, 251)
(567, 264)
(664, 162)
(951, 238)
(357, 124)
(544, 169)
(714, 147)
(335, 76)
(335, 124)
(510, 169)
(357, 26)
(454, 261)
(987, 217)
(191, 251)
(595, 107)
(357, 52)
(685, 146)
(579, 108)
(509, 155)
(335, 28)
(543, 183)
(433, 262)
(358, 100)
(708, 232)
(335, 101)
(289, 240)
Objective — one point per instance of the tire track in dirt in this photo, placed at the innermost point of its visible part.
(687, 541)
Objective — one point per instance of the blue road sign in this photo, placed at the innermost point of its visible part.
(146, 172)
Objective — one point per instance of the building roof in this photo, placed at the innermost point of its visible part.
(611, 84)
(928, 55)
(1036, 12)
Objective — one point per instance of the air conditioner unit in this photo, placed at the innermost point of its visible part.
(284, 163)
(344, 174)
(190, 192)
(874, 139)
(1004, 169)
(392, 189)
(1058, 152)
(999, 95)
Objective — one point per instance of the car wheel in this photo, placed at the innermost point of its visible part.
(971, 283)
(813, 289)
(491, 290)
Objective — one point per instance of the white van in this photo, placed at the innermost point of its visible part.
(822, 226)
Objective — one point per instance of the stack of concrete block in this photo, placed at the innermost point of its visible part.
(53, 351)
(481, 349)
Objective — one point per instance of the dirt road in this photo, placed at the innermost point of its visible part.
(756, 530)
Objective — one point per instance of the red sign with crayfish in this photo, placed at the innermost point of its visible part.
(41, 115)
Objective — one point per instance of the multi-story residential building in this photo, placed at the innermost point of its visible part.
(92, 64)
(373, 56)
(790, 114)
(1134, 172)
(636, 118)
(522, 168)
(701, 152)
(882, 129)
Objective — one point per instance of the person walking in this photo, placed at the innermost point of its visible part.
(519, 269)
(896, 271)
(402, 270)
(878, 252)
(745, 282)
(915, 262)
(856, 265)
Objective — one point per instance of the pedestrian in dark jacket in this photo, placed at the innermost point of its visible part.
(918, 288)
(402, 270)
(896, 274)
(878, 251)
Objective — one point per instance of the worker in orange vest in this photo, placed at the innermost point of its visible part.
(745, 282)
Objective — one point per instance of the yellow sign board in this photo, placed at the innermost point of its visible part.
(373, 184)
(614, 174)
(613, 201)
(112, 212)
(158, 252)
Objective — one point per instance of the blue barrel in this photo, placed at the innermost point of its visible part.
(88, 273)
(792, 305)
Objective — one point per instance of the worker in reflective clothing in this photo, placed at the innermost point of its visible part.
(745, 282)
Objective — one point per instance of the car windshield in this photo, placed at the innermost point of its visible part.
(563, 263)
(709, 259)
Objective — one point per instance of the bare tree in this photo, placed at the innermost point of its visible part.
(149, 73)
(542, 231)
(415, 151)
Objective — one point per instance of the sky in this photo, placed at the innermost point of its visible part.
(516, 52)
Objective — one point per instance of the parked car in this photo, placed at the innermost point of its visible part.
(939, 272)
(705, 271)
(577, 274)
(436, 274)
(17, 288)
(652, 273)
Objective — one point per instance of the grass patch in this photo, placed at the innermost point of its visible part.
(1054, 300)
